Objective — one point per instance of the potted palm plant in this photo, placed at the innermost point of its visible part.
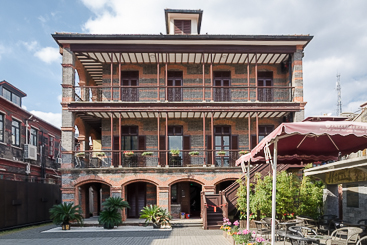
(62, 214)
(111, 215)
(156, 215)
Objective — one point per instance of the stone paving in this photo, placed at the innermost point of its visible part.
(177, 236)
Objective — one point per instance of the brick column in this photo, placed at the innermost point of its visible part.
(163, 197)
(297, 81)
(67, 126)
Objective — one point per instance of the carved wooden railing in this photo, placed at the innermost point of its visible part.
(204, 208)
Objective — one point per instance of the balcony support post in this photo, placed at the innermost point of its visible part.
(159, 140)
(203, 79)
(166, 79)
(211, 78)
(212, 133)
(111, 140)
(248, 78)
(158, 87)
(204, 158)
(120, 81)
(257, 128)
(249, 130)
(120, 146)
(257, 99)
(111, 76)
(166, 138)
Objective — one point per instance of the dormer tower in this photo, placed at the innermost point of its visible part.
(183, 21)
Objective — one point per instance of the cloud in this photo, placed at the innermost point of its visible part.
(30, 46)
(53, 118)
(42, 19)
(3, 50)
(48, 55)
(59, 98)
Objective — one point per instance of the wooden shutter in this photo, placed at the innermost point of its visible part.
(234, 142)
(141, 142)
(209, 147)
(162, 146)
(182, 27)
(186, 146)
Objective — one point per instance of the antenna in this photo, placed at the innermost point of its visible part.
(339, 96)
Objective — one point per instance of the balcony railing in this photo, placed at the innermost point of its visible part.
(184, 93)
(117, 159)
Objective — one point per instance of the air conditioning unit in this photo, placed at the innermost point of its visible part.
(30, 152)
(59, 160)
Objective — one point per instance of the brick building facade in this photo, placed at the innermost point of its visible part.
(33, 158)
(157, 93)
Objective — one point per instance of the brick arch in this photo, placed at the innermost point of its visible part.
(224, 180)
(186, 179)
(140, 180)
(90, 179)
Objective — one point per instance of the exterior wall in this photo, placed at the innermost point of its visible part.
(353, 214)
(12, 157)
(331, 200)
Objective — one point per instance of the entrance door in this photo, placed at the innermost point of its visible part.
(222, 81)
(222, 143)
(129, 81)
(136, 197)
(265, 83)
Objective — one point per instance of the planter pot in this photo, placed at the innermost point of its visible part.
(108, 226)
(174, 155)
(65, 227)
(221, 155)
(156, 226)
(128, 156)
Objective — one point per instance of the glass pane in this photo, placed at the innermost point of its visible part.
(175, 142)
(16, 99)
(260, 138)
(134, 142)
(225, 140)
(7, 94)
(218, 140)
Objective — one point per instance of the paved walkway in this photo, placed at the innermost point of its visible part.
(177, 236)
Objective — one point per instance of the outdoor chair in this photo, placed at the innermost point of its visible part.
(309, 222)
(324, 223)
(302, 231)
(362, 241)
(262, 228)
(344, 236)
(300, 240)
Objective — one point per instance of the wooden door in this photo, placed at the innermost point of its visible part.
(136, 197)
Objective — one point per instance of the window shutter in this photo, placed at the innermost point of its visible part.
(182, 27)
(234, 142)
(162, 146)
(187, 26)
(186, 142)
(141, 140)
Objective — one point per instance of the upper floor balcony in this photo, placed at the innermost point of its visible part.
(186, 93)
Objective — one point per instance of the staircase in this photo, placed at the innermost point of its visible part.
(214, 208)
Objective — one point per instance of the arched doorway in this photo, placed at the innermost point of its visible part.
(185, 198)
(139, 195)
(91, 197)
(223, 185)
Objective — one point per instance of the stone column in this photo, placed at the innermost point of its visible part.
(331, 200)
(67, 127)
(297, 81)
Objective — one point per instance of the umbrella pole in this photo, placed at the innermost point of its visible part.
(248, 196)
(273, 208)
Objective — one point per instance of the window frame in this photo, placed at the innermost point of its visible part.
(51, 146)
(15, 139)
(33, 136)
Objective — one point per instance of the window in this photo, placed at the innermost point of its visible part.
(11, 97)
(264, 130)
(7, 94)
(174, 83)
(51, 146)
(182, 27)
(2, 119)
(33, 137)
(265, 80)
(129, 138)
(222, 136)
(45, 146)
(15, 130)
(222, 81)
(175, 138)
(129, 81)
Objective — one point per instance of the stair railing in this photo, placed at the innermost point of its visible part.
(224, 204)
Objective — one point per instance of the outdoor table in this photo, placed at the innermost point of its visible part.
(299, 240)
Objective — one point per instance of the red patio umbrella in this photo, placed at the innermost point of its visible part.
(308, 140)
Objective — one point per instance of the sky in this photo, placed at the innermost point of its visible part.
(30, 59)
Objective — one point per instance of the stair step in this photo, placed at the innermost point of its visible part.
(213, 227)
